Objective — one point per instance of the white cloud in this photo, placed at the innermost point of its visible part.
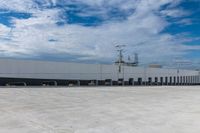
(39, 18)
(140, 32)
(17, 5)
(175, 13)
(3, 30)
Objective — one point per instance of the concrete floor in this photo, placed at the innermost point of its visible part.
(100, 110)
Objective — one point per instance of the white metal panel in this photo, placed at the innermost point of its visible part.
(62, 70)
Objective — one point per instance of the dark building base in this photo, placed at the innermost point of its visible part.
(57, 82)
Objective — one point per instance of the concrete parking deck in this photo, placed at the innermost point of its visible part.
(100, 110)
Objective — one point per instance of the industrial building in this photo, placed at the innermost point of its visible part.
(36, 73)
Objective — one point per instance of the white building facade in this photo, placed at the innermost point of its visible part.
(26, 72)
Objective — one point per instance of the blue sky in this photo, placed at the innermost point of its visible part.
(160, 31)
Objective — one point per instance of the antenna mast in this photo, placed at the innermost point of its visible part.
(120, 50)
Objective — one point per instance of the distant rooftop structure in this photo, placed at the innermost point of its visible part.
(120, 61)
(155, 66)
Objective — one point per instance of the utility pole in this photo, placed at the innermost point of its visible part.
(120, 50)
(120, 62)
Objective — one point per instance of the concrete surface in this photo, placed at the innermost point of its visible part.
(100, 110)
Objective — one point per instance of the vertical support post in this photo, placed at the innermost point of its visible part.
(97, 82)
(78, 83)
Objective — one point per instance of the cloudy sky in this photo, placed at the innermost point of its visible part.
(160, 31)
